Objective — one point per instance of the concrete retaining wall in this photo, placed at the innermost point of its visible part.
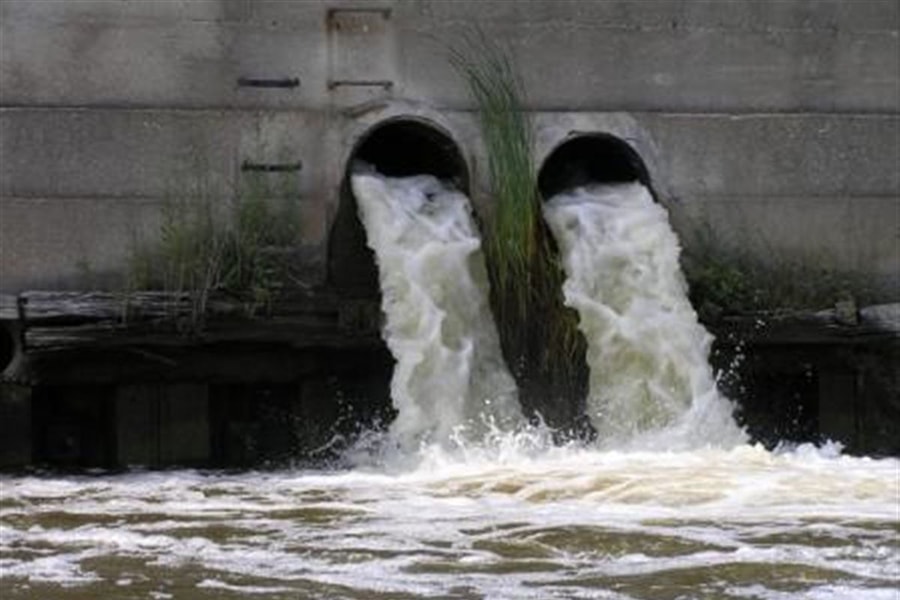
(773, 123)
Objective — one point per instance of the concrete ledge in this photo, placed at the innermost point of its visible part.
(57, 243)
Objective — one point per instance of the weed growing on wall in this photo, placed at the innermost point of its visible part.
(209, 244)
(726, 279)
(539, 334)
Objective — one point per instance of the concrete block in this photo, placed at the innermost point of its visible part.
(777, 155)
(362, 48)
(872, 15)
(150, 153)
(848, 236)
(701, 56)
(98, 10)
(117, 153)
(15, 425)
(71, 243)
(162, 54)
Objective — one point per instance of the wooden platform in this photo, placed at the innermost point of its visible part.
(127, 335)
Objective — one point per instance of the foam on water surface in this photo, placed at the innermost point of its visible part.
(567, 522)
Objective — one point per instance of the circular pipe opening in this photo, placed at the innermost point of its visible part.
(403, 147)
(592, 158)
(398, 147)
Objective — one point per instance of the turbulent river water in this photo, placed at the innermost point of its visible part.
(460, 498)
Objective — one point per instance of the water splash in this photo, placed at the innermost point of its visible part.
(504, 513)
(450, 373)
(651, 384)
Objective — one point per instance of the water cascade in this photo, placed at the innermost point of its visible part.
(450, 371)
(650, 379)
(505, 515)
(669, 505)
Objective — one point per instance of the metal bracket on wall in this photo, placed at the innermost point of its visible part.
(382, 83)
(334, 14)
(256, 82)
(294, 167)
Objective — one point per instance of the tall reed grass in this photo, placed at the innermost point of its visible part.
(538, 333)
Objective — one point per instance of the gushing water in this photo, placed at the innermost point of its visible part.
(650, 381)
(500, 512)
(450, 372)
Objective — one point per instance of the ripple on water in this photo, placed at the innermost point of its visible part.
(709, 581)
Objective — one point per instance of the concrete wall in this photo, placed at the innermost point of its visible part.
(774, 123)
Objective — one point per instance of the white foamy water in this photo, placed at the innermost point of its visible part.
(650, 380)
(450, 372)
(513, 519)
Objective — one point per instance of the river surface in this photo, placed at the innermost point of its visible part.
(515, 520)
(460, 498)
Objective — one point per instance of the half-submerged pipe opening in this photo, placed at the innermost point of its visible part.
(591, 158)
(397, 147)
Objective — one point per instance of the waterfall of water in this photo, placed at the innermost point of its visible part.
(650, 380)
(450, 372)
(508, 515)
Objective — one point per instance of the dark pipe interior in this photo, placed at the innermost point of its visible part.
(396, 148)
(406, 147)
(7, 346)
(595, 158)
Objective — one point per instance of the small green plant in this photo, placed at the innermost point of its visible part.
(538, 333)
(736, 281)
(208, 244)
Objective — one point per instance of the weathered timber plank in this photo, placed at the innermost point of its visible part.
(61, 321)
(83, 307)
(87, 307)
(9, 307)
(872, 323)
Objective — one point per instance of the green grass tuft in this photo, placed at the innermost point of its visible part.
(208, 244)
